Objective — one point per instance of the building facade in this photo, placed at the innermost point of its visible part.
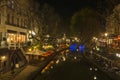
(15, 21)
(113, 21)
(113, 27)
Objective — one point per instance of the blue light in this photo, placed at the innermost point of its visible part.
(73, 47)
(82, 48)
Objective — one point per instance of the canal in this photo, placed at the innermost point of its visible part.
(72, 68)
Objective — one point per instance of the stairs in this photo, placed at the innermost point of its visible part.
(21, 56)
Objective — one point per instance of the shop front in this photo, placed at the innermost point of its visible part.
(16, 38)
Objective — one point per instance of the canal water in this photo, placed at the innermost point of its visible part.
(73, 69)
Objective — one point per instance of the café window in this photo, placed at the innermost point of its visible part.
(0, 18)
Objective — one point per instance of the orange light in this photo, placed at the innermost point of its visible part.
(118, 36)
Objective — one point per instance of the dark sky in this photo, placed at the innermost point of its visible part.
(66, 8)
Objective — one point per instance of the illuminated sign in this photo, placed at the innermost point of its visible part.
(73, 47)
(82, 48)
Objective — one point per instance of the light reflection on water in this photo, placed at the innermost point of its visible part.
(72, 70)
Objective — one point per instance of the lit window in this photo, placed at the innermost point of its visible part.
(12, 4)
(8, 18)
(0, 18)
(17, 21)
(12, 19)
(9, 3)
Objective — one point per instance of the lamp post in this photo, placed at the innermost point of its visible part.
(106, 34)
(106, 37)
(47, 38)
(47, 35)
(64, 38)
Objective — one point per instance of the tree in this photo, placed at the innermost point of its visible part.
(86, 24)
(43, 22)
(49, 19)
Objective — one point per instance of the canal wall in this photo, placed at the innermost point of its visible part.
(112, 75)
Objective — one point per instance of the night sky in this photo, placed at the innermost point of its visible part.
(67, 8)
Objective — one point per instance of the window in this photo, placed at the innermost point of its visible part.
(25, 23)
(0, 36)
(12, 4)
(17, 21)
(21, 22)
(9, 4)
(0, 18)
(12, 19)
(8, 18)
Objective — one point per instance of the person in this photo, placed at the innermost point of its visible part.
(3, 43)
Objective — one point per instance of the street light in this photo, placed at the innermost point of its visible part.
(3, 58)
(76, 38)
(95, 77)
(47, 35)
(106, 34)
(118, 55)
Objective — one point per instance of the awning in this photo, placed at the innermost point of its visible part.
(11, 31)
(23, 33)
